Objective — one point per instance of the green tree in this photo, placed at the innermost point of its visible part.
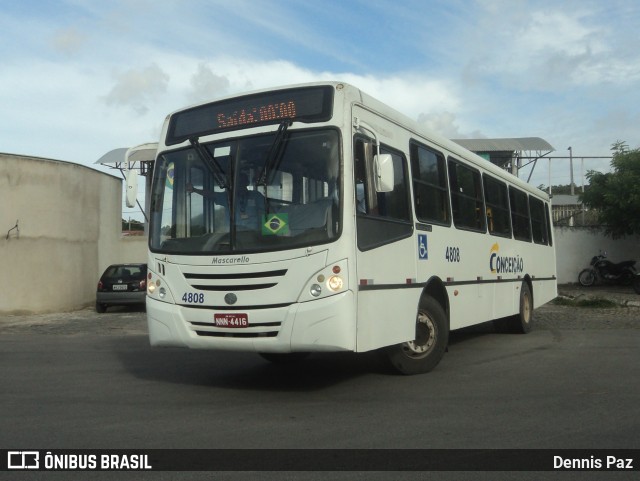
(616, 195)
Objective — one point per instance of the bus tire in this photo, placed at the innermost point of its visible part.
(521, 322)
(284, 357)
(432, 336)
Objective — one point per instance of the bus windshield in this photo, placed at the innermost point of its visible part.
(250, 194)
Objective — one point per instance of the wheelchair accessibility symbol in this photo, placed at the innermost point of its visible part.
(423, 251)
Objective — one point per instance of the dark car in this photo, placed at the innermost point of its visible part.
(122, 284)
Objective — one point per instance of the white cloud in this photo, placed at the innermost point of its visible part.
(445, 123)
(136, 88)
(550, 47)
(69, 40)
(205, 83)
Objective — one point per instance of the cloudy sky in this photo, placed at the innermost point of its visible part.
(82, 77)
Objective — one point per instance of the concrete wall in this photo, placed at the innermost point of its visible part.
(68, 231)
(575, 246)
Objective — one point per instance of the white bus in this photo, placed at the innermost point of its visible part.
(316, 218)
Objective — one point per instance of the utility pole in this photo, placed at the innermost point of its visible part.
(571, 167)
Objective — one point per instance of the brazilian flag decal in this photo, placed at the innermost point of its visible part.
(170, 172)
(275, 224)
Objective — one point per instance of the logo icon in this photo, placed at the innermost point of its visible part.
(23, 460)
(493, 254)
(423, 251)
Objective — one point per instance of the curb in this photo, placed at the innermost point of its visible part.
(619, 302)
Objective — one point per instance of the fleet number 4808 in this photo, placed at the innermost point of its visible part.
(193, 298)
(452, 254)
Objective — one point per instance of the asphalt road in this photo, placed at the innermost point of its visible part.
(91, 381)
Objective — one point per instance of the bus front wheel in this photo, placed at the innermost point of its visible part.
(426, 350)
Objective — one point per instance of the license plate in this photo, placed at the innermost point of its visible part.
(231, 320)
(119, 287)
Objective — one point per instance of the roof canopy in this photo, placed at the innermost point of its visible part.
(505, 145)
(126, 158)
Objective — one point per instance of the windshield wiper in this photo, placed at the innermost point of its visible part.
(273, 159)
(210, 161)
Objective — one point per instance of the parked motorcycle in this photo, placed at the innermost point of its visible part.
(603, 270)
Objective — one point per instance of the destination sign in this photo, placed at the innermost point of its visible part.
(307, 104)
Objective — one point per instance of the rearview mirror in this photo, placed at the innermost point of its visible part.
(132, 188)
(383, 172)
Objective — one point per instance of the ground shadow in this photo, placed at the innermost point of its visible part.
(243, 370)
(249, 371)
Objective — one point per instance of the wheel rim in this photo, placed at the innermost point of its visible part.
(426, 334)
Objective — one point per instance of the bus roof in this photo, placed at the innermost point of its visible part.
(355, 94)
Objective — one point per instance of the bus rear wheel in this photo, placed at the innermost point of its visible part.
(426, 350)
(520, 323)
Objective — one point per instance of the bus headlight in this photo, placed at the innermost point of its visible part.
(330, 280)
(335, 283)
(315, 290)
(162, 293)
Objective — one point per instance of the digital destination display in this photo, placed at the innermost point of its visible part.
(307, 104)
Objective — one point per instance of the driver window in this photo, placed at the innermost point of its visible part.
(381, 217)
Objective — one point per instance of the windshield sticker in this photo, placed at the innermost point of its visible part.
(170, 172)
(275, 224)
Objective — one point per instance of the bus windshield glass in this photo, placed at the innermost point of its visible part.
(240, 196)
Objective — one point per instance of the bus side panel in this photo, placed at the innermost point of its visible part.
(544, 291)
(505, 299)
(387, 306)
(476, 303)
(325, 325)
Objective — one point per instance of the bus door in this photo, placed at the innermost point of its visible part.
(386, 253)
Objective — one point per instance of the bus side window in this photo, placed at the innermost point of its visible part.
(360, 176)
(520, 214)
(538, 221)
(394, 204)
(549, 226)
(429, 185)
(497, 202)
(382, 217)
(466, 197)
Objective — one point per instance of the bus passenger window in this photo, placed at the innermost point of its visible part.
(466, 197)
(538, 221)
(497, 202)
(429, 185)
(520, 214)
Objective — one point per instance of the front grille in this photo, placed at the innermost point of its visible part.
(247, 275)
(233, 287)
(242, 281)
(237, 334)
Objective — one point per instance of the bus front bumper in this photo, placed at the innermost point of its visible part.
(326, 324)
